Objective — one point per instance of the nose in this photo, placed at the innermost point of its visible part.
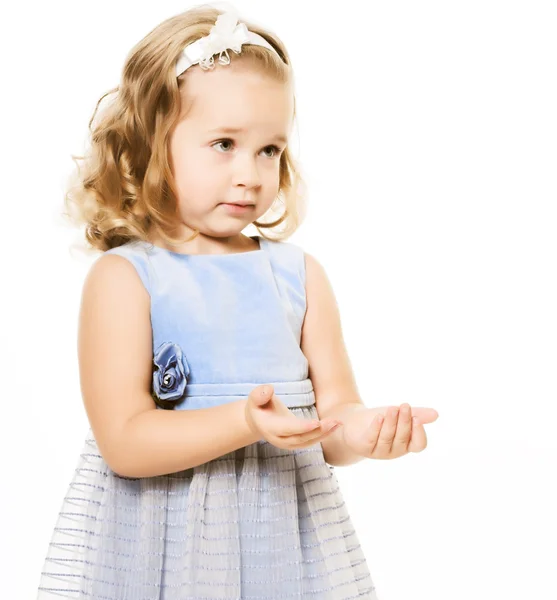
(246, 171)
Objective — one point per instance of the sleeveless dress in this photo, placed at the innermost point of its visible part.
(259, 523)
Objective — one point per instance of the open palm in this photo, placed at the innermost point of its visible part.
(387, 432)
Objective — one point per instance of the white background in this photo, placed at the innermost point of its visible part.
(427, 134)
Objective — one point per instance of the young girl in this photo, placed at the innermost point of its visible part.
(212, 365)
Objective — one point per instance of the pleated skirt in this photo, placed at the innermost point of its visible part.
(259, 523)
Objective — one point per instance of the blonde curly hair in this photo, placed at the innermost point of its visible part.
(125, 188)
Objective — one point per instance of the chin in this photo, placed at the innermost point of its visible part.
(225, 231)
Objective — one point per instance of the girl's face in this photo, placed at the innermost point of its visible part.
(213, 165)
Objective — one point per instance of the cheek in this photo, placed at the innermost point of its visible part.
(193, 175)
(270, 174)
(276, 180)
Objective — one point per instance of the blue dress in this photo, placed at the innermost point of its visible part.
(259, 523)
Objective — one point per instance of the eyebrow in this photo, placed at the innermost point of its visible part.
(278, 137)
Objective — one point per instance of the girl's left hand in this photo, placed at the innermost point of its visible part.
(397, 434)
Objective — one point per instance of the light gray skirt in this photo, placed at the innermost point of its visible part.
(259, 523)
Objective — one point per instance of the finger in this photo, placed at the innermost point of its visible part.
(284, 427)
(425, 415)
(300, 427)
(387, 433)
(418, 441)
(374, 432)
(403, 430)
(322, 431)
(309, 439)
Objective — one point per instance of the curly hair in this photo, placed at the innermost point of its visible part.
(125, 187)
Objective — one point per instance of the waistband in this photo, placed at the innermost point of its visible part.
(293, 394)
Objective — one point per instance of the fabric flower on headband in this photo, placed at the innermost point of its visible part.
(225, 34)
(170, 376)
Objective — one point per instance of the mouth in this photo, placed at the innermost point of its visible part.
(237, 208)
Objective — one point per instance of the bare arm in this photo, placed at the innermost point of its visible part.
(157, 442)
(330, 371)
(115, 360)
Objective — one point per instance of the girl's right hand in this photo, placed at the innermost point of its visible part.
(271, 419)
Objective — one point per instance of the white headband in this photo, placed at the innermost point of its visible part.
(225, 34)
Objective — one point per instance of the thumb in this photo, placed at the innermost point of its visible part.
(262, 394)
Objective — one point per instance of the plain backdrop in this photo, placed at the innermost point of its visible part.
(427, 136)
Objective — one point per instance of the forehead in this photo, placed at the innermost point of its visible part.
(237, 97)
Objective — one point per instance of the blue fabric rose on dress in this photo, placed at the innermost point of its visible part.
(170, 375)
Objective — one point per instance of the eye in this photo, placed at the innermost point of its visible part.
(221, 142)
(276, 149)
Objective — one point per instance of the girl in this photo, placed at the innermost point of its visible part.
(212, 365)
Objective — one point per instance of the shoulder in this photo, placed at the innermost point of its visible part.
(309, 267)
(313, 266)
(318, 285)
(127, 264)
(116, 273)
(114, 303)
(286, 255)
(284, 247)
